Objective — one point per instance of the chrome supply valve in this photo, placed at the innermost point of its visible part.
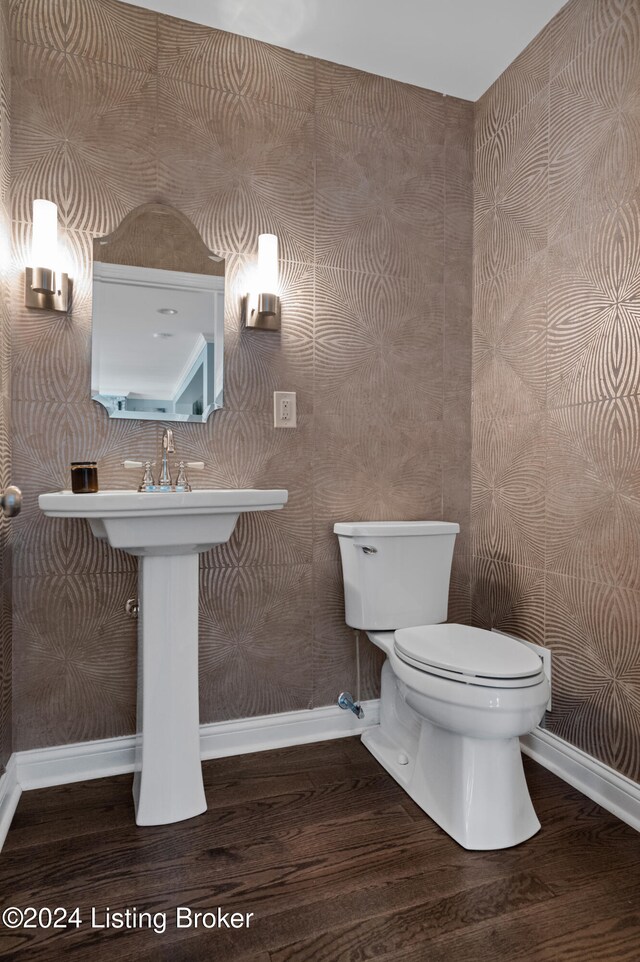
(345, 700)
(132, 607)
(182, 481)
(147, 483)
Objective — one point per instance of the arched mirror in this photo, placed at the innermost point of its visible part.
(158, 319)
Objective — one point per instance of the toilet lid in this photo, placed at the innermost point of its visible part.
(466, 651)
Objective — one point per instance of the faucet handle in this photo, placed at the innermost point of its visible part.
(182, 481)
(147, 483)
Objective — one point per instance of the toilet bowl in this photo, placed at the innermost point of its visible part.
(454, 699)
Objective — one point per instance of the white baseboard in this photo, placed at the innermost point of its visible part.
(10, 792)
(266, 732)
(79, 762)
(82, 761)
(613, 791)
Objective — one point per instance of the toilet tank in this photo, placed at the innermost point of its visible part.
(396, 573)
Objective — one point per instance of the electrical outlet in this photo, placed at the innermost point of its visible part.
(284, 409)
(544, 654)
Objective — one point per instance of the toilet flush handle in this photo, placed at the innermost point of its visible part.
(368, 549)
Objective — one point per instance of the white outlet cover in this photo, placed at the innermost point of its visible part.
(284, 409)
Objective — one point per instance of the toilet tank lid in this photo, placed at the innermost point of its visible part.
(394, 529)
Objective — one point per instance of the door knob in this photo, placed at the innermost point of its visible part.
(11, 501)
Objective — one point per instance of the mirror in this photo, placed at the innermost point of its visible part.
(158, 319)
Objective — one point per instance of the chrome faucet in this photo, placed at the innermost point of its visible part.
(164, 481)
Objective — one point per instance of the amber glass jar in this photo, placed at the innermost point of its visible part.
(84, 477)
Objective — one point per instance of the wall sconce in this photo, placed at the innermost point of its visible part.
(262, 307)
(45, 286)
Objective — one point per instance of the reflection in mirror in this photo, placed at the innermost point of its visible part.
(158, 319)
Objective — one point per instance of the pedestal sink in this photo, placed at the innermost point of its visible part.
(168, 531)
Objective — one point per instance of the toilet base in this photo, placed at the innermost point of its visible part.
(473, 788)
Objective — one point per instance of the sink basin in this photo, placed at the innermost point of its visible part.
(168, 531)
(162, 523)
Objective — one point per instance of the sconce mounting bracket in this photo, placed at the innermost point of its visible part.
(261, 311)
(59, 299)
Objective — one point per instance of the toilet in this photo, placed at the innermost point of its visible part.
(454, 700)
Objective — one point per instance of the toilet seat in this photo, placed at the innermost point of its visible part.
(468, 655)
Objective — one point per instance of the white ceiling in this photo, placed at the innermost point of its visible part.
(458, 47)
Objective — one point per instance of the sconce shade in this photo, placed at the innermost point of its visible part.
(267, 264)
(261, 306)
(44, 240)
(46, 287)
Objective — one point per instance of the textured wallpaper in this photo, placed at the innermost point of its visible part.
(368, 184)
(5, 389)
(556, 367)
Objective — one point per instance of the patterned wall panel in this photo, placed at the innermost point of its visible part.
(457, 347)
(368, 184)
(5, 390)
(556, 376)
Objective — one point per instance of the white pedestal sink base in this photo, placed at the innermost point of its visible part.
(167, 530)
(167, 784)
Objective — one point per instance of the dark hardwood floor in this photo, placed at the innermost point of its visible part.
(335, 862)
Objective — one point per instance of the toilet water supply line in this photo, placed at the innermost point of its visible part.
(345, 698)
